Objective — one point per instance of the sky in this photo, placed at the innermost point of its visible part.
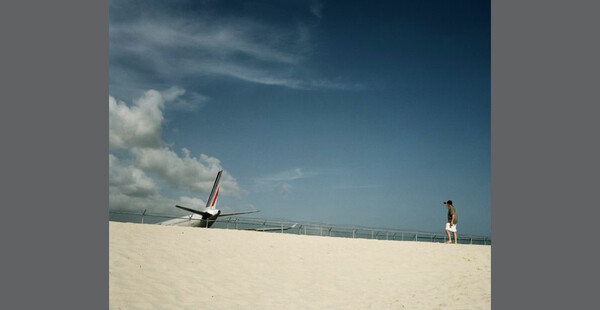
(367, 113)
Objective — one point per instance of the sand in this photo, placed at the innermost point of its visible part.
(168, 267)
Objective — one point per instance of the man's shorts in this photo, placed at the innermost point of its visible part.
(452, 229)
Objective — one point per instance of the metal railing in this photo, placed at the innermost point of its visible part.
(299, 228)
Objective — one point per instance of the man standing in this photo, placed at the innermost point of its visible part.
(452, 220)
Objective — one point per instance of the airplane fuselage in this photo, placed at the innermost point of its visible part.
(195, 220)
(209, 221)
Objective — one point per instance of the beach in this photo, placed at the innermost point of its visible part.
(169, 267)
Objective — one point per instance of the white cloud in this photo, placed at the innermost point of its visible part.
(261, 76)
(190, 202)
(129, 180)
(207, 39)
(173, 93)
(288, 175)
(154, 205)
(219, 37)
(178, 98)
(187, 172)
(136, 126)
(280, 181)
(243, 72)
(240, 48)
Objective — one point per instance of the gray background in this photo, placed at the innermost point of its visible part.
(544, 154)
(54, 154)
(54, 124)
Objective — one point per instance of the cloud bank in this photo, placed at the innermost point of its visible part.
(140, 164)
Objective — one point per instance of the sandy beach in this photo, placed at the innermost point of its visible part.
(167, 267)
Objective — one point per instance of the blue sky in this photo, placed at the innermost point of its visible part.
(362, 113)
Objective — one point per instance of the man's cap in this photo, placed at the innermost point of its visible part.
(449, 202)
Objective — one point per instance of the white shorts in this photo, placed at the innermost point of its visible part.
(452, 229)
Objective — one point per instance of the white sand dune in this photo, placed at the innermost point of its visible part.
(167, 267)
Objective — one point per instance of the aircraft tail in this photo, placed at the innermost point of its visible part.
(214, 194)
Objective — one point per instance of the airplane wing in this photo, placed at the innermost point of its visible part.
(237, 213)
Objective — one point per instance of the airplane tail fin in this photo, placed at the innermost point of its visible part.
(214, 194)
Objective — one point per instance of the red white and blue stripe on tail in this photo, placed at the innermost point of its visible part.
(214, 194)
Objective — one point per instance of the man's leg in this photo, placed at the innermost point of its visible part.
(449, 237)
(455, 238)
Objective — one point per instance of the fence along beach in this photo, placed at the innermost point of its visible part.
(308, 228)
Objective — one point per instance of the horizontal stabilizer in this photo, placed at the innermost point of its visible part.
(238, 213)
(204, 214)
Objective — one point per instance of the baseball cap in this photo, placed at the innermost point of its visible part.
(449, 202)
